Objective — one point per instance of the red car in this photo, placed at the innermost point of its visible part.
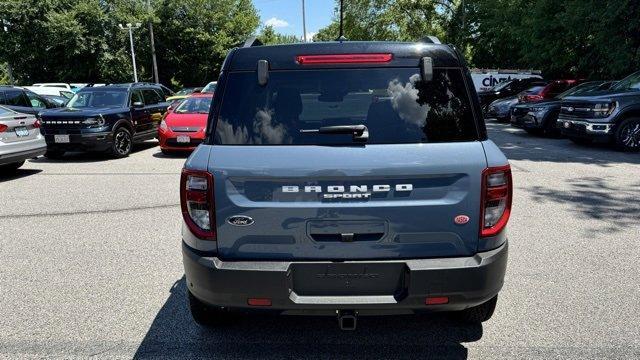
(183, 128)
(548, 91)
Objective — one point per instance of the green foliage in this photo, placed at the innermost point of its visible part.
(79, 40)
(268, 36)
(573, 38)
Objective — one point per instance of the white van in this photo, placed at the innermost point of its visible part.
(485, 79)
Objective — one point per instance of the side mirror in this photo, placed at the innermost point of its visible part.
(170, 109)
(426, 69)
(137, 105)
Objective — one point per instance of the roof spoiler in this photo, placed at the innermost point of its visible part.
(251, 42)
(430, 40)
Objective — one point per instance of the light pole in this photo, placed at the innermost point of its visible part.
(153, 46)
(304, 24)
(130, 28)
(9, 69)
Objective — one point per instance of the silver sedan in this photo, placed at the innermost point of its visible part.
(20, 139)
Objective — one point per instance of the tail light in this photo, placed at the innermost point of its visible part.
(3, 128)
(497, 191)
(532, 98)
(197, 202)
(36, 124)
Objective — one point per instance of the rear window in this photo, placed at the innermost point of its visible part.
(394, 104)
(16, 98)
(535, 89)
(194, 105)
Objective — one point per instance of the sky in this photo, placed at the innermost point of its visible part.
(286, 15)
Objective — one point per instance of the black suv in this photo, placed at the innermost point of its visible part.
(611, 116)
(24, 101)
(106, 118)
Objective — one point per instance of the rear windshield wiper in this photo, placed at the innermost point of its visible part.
(359, 132)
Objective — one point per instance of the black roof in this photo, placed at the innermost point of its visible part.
(405, 54)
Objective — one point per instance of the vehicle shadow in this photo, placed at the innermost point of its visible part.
(517, 144)
(18, 174)
(173, 334)
(89, 157)
(597, 199)
(172, 155)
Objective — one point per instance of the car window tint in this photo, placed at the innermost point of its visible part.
(136, 96)
(160, 95)
(36, 101)
(150, 97)
(394, 103)
(16, 98)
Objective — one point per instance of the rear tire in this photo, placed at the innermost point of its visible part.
(580, 141)
(54, 154)
(627, 136)
(480, 313)
(532, 131)
(122, 143)
(550, 128)
(207, 315)
(10, 168)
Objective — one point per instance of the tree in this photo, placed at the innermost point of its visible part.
(268, 36)
(194, 36)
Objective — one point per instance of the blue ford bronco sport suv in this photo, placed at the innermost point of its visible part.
(345, 178)
(105, 118)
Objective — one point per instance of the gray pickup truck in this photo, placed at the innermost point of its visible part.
(345, 179)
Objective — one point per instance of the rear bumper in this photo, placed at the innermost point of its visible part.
(82, 142)
(467, 281)
(34, 149)
(169, 141)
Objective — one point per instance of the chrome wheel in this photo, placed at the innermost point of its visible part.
(630, 135)
(122, 142)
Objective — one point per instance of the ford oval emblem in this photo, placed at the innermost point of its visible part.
(240, 220)
(461, 219)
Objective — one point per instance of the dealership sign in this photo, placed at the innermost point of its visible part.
(484, 80)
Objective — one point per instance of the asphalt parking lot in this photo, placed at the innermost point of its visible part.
(90, 266)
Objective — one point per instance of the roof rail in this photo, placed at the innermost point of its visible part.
(430, 40)
(251, 42)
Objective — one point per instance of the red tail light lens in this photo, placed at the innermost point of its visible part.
(531, 98)
(343, 59)
(497, 191)
(3, 127)
(36, 124)
(197, 202)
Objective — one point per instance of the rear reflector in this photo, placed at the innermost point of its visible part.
(440, 300)
(259, 302)
(343, 59)
(3, 127)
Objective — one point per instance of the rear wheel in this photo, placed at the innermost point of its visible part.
(480, 313)
(532, 131)
(122, 143)
(10, 168)
(206, 315)
(550, 128)
(627, 136)
(580, 141)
